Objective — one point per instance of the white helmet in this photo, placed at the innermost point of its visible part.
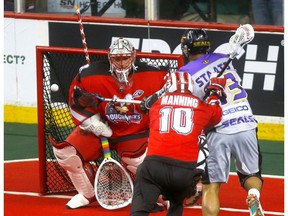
(121, 56)
(180, 82)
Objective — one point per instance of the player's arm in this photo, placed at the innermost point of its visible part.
(169, 86)
(83, 107)
(216, 92)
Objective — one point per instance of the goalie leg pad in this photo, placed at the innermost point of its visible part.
(81, 176)
(87, 144)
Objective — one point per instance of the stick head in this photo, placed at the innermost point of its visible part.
(243, 35)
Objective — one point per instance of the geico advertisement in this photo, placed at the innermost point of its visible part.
(261, 67)
(20, 40)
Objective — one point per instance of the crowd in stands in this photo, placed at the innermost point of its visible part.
(259, 12)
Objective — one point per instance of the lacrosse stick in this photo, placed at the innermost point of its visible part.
(243, 35)
(83, 37)
(117, 100)
(78, 91)
(113, 185)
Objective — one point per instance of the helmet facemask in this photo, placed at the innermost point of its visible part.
(122, 56)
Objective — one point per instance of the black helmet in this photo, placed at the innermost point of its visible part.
(195, 41)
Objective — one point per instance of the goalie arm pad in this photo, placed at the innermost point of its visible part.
(96, 126)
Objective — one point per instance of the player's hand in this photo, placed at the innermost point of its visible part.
(147, 102)
(217, 86)
(84, 99)
(144, 105)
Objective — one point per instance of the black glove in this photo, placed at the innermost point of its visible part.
(84, 99)
(147, 102)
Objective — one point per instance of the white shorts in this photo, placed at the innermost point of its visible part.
(242, 147)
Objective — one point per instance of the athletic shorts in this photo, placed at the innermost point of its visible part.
(155, 177)
(242, 148)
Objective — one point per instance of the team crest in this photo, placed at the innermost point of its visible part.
(124, 112)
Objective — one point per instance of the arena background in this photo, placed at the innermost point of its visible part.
(23, 32)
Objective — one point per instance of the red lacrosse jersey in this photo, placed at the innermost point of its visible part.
(176, 121)
(123, 118)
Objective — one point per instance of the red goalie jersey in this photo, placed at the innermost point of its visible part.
(123, 118)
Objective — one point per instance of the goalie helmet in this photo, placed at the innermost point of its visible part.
(195, 41)
(122, 55)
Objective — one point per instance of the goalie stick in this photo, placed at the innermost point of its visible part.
(113, 185)
(243, 35)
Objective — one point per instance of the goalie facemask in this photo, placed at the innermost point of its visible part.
(195, 41)
(122, 57)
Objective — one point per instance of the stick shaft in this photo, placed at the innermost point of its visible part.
(83, 37)
(122, 100)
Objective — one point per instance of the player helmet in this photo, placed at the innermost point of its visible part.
(195, 41)
(181, 82)
(121, 55)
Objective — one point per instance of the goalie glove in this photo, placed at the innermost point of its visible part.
(84, 99)
(96, 126)
(217, 86)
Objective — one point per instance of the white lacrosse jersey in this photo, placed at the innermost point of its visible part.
(237, 114)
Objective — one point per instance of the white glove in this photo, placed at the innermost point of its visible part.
(96, 126)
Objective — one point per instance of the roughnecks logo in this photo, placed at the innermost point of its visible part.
(123, 112)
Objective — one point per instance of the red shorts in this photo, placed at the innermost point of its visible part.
(89, 146)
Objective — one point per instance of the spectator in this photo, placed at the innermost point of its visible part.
(172, 9)
(8, 5)
(268, 12)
